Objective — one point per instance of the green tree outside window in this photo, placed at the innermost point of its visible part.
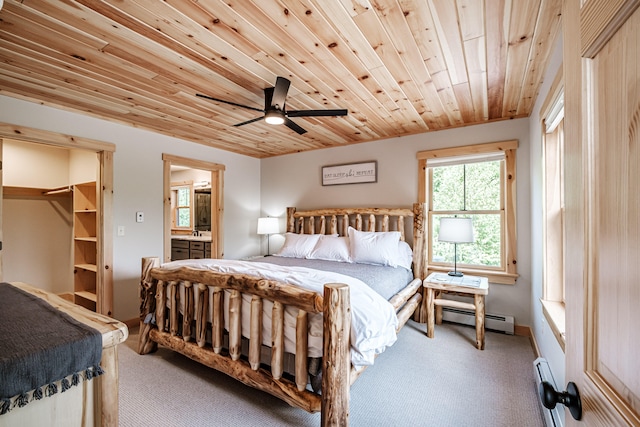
(471, 190)
(183, 208)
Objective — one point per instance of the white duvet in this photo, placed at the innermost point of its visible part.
(373, 319)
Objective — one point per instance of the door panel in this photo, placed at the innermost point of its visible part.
(615, 228)
(603, 172)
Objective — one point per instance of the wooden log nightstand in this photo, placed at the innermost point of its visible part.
(466, 286)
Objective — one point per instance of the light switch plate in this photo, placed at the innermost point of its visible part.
(121, 230)
(139, 216)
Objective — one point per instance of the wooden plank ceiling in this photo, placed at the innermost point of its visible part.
(400, 67)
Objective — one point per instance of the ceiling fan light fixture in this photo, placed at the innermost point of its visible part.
(274, 117)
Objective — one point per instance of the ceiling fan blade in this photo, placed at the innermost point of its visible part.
(291, 125)
(249, 121)
(280, 93)
(229, 102)
(268, 96)
(309, 113)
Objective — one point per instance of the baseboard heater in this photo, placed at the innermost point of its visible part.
(492, 322)
(542, 372)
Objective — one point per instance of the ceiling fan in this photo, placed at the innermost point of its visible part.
(274, 107)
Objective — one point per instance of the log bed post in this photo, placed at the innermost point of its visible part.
(336, 359)
(147, 305)
(420, 254)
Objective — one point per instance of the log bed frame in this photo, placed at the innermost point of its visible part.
(186, 333)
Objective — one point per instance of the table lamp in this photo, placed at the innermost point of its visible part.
(268, 226)
(456, 230)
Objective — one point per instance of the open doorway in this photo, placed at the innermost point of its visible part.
(193, 194)
(101, 165)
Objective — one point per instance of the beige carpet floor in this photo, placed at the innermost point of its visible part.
(419, 381)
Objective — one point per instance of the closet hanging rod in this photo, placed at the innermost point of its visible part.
(66, 189)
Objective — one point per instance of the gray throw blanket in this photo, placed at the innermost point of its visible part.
(387, 281)
(42, 350)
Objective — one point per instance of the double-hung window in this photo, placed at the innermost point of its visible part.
(476, 182)
(553, 303)
(182, 202)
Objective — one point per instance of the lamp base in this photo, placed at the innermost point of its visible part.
(455, 273)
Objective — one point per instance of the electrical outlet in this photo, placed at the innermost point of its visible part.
(139, 216)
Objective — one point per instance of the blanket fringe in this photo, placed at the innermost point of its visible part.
(5, 406)
(50, 389)
(21, 400)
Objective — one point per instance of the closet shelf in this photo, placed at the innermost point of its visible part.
(88, 267)
(88, 295)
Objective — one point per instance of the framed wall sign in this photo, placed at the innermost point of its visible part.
(350, 173)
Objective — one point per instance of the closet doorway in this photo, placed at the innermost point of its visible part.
(100, 157)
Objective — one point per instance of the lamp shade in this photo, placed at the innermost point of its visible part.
(456, 230)
(268, 225)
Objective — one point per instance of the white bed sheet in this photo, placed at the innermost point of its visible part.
(373, 319)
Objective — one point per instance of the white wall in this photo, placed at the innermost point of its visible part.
(37, 242)
(83, 166)
(34, 165)
(138, 170)
(294, 180)
(195, 175)
(547, 343)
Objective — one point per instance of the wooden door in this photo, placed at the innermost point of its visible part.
(602, 137)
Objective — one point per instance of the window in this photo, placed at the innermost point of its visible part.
(553, 306)
(182, 212)
(476, 182)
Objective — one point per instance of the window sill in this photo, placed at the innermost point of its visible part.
(554, 312)
(492, 275)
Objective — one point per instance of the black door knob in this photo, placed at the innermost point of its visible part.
(569, 398)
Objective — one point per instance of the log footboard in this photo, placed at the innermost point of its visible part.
(175, 332)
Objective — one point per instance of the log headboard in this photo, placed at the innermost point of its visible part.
(338, 220)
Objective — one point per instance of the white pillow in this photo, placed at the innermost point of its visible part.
(298, 245)
(374, 247)
(404, 255)
(331, 248)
